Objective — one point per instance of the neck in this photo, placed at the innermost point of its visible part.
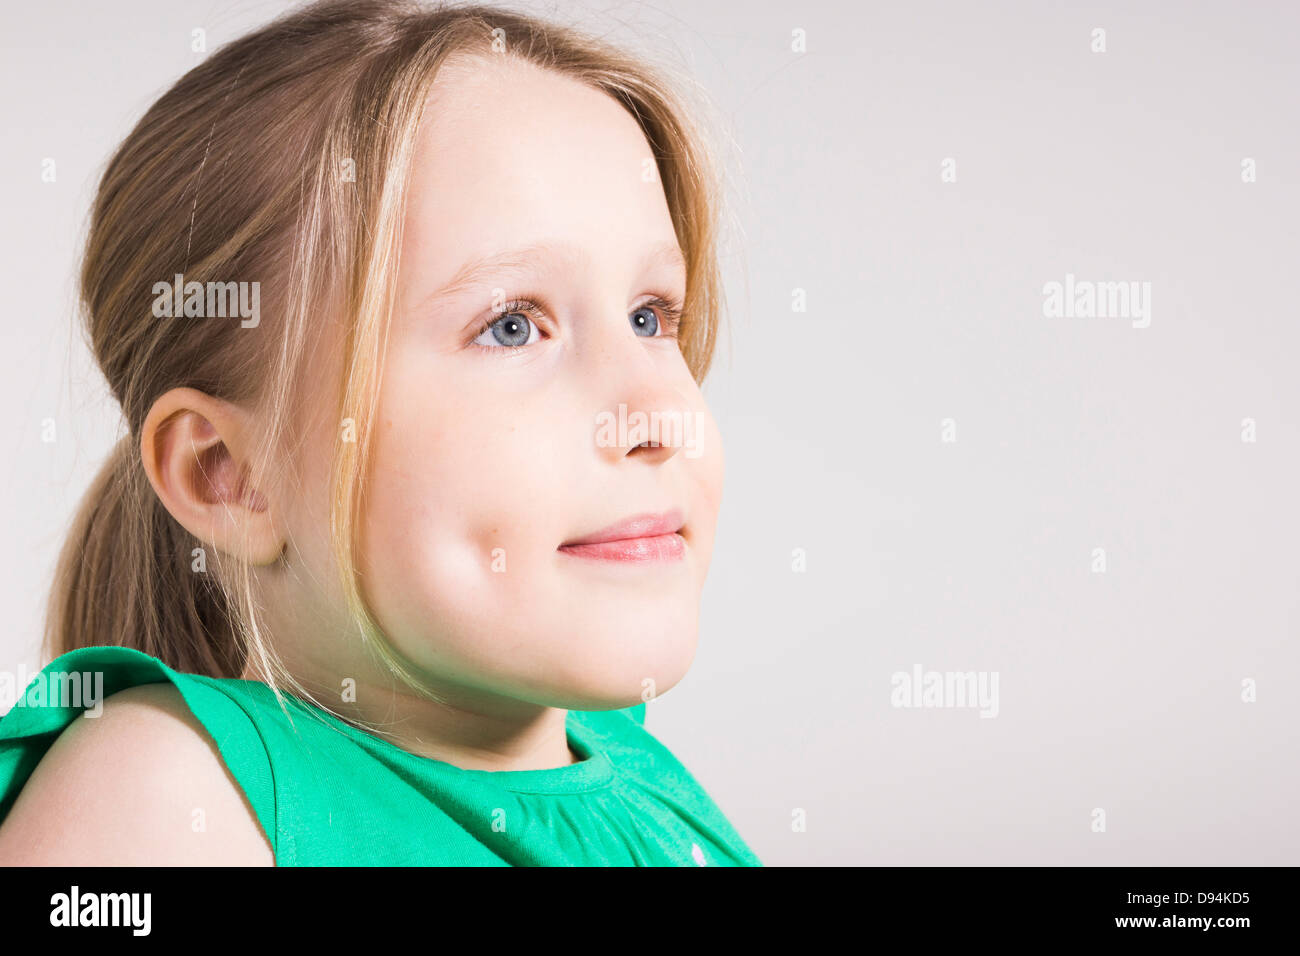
(468, 729)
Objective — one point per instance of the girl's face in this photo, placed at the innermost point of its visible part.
(493, 449)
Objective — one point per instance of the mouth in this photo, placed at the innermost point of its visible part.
(640, 538)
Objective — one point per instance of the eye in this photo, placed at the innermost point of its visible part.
(512, 327)
(509, 328)
(658, 314)
(645, 321)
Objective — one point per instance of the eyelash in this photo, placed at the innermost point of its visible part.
(668, 307)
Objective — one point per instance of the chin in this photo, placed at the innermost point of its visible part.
(605, 678)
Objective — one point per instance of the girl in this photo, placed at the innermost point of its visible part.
(389, 562)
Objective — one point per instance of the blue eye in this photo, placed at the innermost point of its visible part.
(508, 329)
(662, 314)
(645, 321)
(511, 328)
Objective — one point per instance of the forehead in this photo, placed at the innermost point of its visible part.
(510, 153)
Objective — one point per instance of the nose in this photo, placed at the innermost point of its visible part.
(649, 422)
(643, 416)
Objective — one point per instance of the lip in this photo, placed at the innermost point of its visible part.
(652, 536)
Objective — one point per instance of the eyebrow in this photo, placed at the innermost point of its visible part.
(513, 261)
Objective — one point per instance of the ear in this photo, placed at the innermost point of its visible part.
(194, 448)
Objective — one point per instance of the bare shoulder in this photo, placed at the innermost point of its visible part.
(141, 784)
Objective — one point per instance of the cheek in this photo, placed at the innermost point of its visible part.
(460, 525)
(466, 504)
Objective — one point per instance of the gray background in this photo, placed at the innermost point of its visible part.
(1119, 690)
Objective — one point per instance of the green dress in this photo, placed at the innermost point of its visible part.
(330, 794)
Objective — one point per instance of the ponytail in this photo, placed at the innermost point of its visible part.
(129, 575)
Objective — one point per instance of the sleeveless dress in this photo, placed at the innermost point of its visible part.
(329, 794)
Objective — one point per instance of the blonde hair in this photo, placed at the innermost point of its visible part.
(237, 171)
